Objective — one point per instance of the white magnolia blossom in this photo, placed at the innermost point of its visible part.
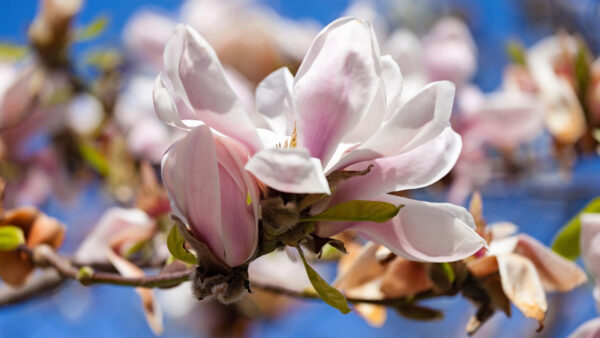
(341, 111)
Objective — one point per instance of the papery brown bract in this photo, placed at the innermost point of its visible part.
(38, 228)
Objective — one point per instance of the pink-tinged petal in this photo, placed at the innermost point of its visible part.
(146, 35)
(392, 79)
(590, 242)
(555, 272)
(521, 284)
(239, 222)
(335, 85)
(151, 307)
(422, 231)
(590, 245)
(274, 102)
(289, 170)
(113, 222)
(149, 139)
(419, 120)
(199, 80)
(502, 230)
(449, 52)
(191, 176)
(417, 168)
(165, 106)
(20, 96)
(363, 268)
(508, 119)
(589, 329)
(370, 123)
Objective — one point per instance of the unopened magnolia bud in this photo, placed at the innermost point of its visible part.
(51, 26)
(226, 287)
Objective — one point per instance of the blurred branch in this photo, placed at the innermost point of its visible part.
(313, 296)
(61, 269)
(35, 287)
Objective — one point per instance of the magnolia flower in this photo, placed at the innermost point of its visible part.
(117, 232)
(590, 251)
(504, 119)
(209, 189)
(547, 61)
(527, 269)
(329, 117)
(449, 52)
(446, 52)
(147, 137)
(253, 40)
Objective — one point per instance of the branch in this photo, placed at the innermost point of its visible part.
(44, 256)
(313, 296)
(64, 269)
(37, 286)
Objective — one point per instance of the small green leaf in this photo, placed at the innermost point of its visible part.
(566, 242)
(94, 158)
(582, 69)
(12, 52)
(134, 249)
(93, 29)
(354, 211)
(516, 52)
(11, 237)
(447, 268)
(329, 294)
(175, 243)
(248, 198)
(104, 59)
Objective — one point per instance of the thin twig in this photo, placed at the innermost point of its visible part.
(44, 256)
(35, 287)
(354, 300)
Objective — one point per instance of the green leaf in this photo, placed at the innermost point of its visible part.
(354, 211)
(104, 59)
(566, 242)
(329, 294)
(447, 268)
(175, 243)
(94, 158)
(12, 52)
(516, 52)
(93, 29)
(582, 69)
(11, 237)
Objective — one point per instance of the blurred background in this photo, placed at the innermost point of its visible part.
(539, 199)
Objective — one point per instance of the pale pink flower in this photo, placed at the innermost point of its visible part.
(449, 52)
(113, 236)
(590, 251)
(564, 115)
(528, 269)
(332, 116)
(210, 190)
(504, 119)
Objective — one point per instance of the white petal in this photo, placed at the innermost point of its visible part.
(289, 170)
(274, 101)
(335, 85)
(521, 284)
(422, 231)
(419, 120)
(417, 168)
